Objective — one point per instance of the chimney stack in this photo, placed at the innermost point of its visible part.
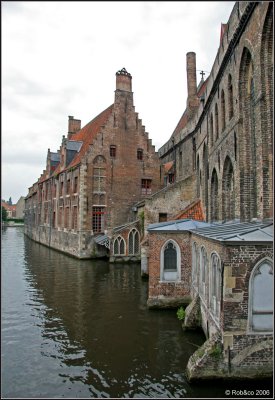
(192, 99)
(123, 80)
(74, 125)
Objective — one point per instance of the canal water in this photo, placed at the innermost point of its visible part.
(81, 329)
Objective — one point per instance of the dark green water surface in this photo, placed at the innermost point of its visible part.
(81, 329)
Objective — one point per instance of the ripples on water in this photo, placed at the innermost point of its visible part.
(74, 328)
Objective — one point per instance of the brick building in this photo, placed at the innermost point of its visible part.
(90, 184)
(217, 166)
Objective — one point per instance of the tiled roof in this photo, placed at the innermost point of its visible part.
(193, 211)
(223, 29)
(7, 206)
(167, 166)
(82, 140)
(202, 87)
(181, 124)
(88, 133)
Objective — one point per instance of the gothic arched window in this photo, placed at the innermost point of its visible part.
(261, 297)
(133, 242)
(215, 284)
(170, 261)
(119, 246)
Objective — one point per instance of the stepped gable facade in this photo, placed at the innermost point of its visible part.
(90, 184)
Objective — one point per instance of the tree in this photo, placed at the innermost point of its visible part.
(4, 213)
(10, 201)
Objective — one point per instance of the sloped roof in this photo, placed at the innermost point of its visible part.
(181, 124)
(7, 206)
(177, 225)
(74, 145)
(88, 133)
(167, 166)
(55, 157)
(240, 232)
(193, 211)
(82, 140)
(202, 87)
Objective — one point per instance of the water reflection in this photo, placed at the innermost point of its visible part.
(75, 328)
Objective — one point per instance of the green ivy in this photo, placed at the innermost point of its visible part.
(181, 313)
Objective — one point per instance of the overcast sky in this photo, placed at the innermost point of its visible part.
(60, 59)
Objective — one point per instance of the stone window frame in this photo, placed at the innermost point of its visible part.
(178, 270)
(119, 239)
(133, 234)
(203, 270)
(215, 288)
(195, 261)
(255, 272)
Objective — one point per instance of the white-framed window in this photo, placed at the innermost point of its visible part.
(260, 305)
(203, 270)
(133, 241)
(215, 284)
(119, 246)
(170, 261)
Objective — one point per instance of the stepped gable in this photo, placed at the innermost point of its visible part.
(88, 133)
(193, 211)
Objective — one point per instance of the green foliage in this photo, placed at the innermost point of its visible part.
(216, 351)
(4, 213)
(141, 217)
(181, 313)
(19, 220)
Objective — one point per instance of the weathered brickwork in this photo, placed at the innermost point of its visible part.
(177, 292)
(227, 143)
(92, 182)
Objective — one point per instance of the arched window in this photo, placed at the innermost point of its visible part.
(215, 284)
(228, 191)
(205, 179)
(222, 110)
(198, 176)
(214, 197)
(170, 261)
(249, 166)
(211, 130)
(195, 261)
(216, 122)
(230, 98)
(119, 246)
(267, 111)
(203, 270)
(133, 242)
(261, 297)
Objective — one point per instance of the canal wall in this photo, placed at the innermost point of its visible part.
(77, 244)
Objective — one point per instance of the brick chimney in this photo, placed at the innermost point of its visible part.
(74, 125)
(192, 99)
(123, 80)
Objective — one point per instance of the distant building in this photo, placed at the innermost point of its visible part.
(11, 209)
(20, 208)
